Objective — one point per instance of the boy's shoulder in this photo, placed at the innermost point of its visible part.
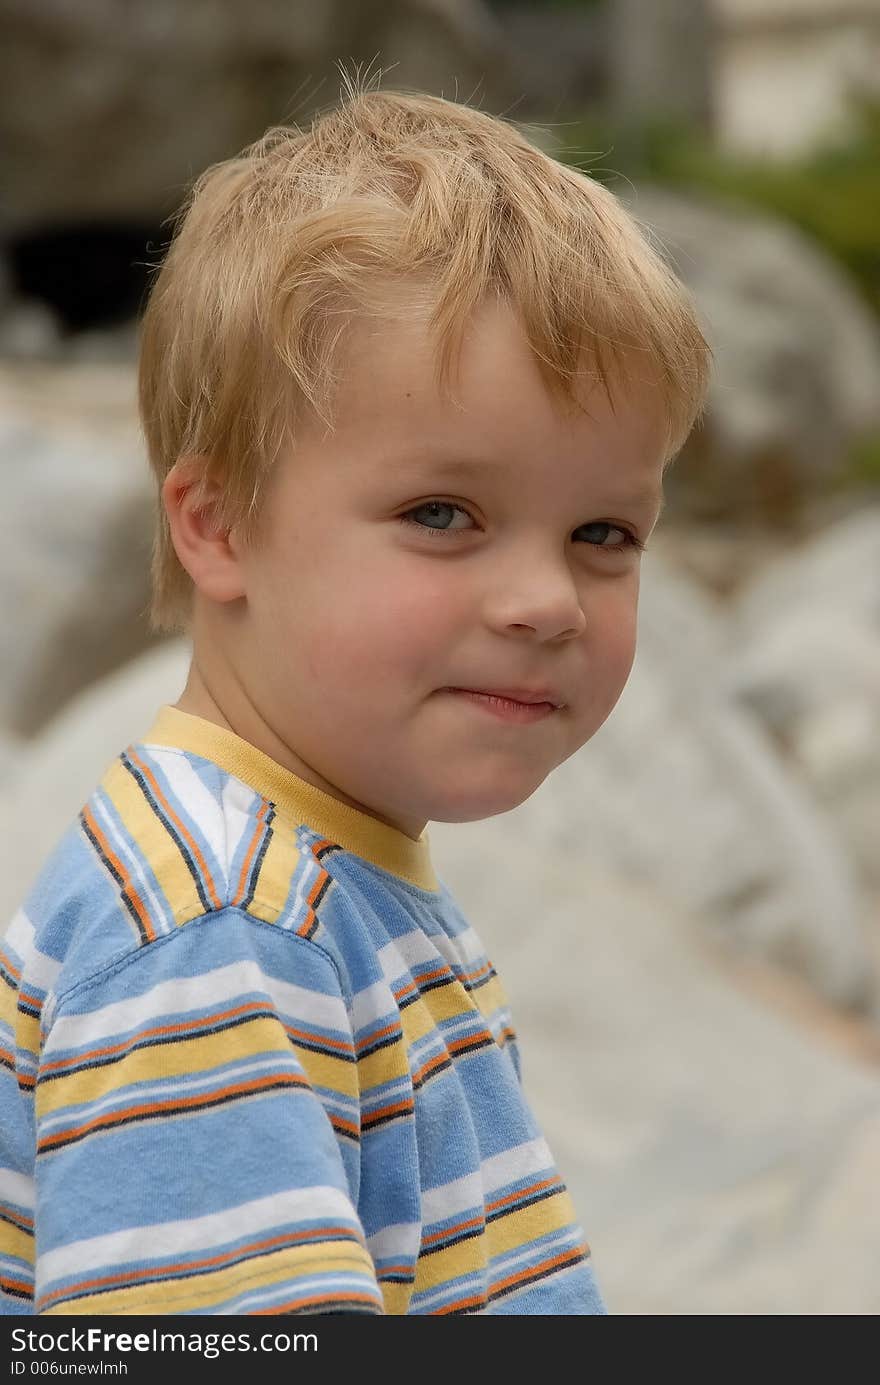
(167, 837)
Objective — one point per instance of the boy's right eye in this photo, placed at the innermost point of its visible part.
(431, 507)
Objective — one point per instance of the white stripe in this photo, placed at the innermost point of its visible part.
(195, 798)
(240, 804)
(372, 1004)
(165, 1241)
(403, 954)
(204, 992)
(461, 1194)
(519, 1162)
(326, 1286)
(17, 1188)
(304, 885)
(403, 1238)
(36, 966)
(464, 949)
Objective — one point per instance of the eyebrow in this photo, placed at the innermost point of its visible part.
(455, 466)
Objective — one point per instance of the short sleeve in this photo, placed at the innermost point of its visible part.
(197, 1133)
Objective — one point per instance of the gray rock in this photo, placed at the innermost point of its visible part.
(48, 779)
(75, 536)
(797, 356)
(805, 656)
(721, 1161)
(154, 98)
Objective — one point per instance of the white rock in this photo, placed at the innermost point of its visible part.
(721, 1160)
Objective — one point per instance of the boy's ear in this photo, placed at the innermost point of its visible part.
(208, 552)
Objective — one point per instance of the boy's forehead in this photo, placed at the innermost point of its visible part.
(390, 367)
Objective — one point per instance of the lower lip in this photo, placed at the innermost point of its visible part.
(504, 708)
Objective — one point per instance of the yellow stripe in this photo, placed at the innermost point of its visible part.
(14, 1241)
(385, 1065)
(276, 872)
(490, 998)
(436, 1269)
(324, 1071)
(396, 1298)
(178, 1059)
(8, 1006)
(448, 1002)
(27, 1033)
(530, 1223)
(154, 842)
(205, 1290)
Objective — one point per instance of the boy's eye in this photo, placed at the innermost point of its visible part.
(431, 507)
(438, 509)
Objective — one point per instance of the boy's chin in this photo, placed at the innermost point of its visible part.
(476, 806)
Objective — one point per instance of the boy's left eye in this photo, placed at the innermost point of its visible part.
(629, 539)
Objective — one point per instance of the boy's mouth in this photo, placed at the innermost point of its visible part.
(527, 697)
(505, 708)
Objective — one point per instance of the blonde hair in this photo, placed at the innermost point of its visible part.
(274, 249)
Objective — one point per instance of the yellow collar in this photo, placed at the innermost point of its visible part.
(298, 801)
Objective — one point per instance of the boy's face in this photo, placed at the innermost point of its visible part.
(512, 574)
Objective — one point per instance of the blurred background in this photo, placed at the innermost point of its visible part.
(704, 1048)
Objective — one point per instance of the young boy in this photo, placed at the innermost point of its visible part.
(409, 387)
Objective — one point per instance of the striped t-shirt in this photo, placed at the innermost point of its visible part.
(254, 1060)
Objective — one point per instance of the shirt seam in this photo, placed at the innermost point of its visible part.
(128, 958)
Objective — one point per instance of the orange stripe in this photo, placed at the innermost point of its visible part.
(461, 1045)
(18, 1284)
(131, 1276)
(152, 1033)
(438, 971)
(392, 1028)
(436, 1062)
(29, 999)
(452, 1230)
(524, 1192)
(567, 1256)
(179, 1104)
(128, 886)
(481, 971)
(19, 1217)
(13, 970)
(181, 827)
(396, 1107)
(308, 923)
(319, 1039)
(476, 1301)
(347, 1127)
(258, 832)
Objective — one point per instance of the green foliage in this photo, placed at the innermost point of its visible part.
(864, 461)
(833, 194)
